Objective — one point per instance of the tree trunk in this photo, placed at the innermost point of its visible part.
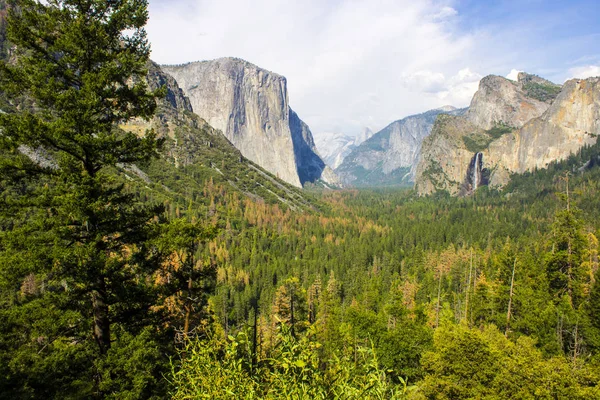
(468, 290)
(576, 344)
(437, 309)
(101, 317)
(188, 308)
(292, 314)
(255, 337)
(570, 271)
(510, 296)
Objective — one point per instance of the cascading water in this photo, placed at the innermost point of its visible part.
(476, 171)
(475, 177)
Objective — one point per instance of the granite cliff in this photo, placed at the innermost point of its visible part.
(390, 156)
(511, 127)
(444, 158)
(571, 122)
(502, 101)
(250, 106)
(196, 153)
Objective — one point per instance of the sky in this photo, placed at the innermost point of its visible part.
(352, 64)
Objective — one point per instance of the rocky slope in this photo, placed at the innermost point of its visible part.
(571, 122)
(502, 101)
(196, 153)
(250, 106)
(480, 155)
(390, 156)
(444, 157)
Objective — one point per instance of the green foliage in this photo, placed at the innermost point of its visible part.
(476, 143)
(499, 130)
(541, 91)
(469, 363)
(76, 246)
(344, 302)
(564, 260)
(294, 370)
(133, 367)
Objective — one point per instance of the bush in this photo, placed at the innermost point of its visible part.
(215, 369)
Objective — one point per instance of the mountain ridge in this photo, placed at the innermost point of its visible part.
(509, 129)
(390, 156)
(250, 106)
(196, 153)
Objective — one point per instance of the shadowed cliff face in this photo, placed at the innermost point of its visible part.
(570, 121)
(310, 166)
(250, 105)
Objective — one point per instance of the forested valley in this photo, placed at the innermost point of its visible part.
(164, 281)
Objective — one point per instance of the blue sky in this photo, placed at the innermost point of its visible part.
(546, 37)
(352, 64)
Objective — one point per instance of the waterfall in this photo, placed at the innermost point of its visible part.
(476, 171)
(476, 176)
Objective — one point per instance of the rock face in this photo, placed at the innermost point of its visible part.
(176, 99)
(445, 160)
(390, 156)
(570, 121)
(309, 164)
(203, 150)
(250, 106)
(502, 101)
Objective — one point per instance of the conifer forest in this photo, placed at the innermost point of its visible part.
(126, 273)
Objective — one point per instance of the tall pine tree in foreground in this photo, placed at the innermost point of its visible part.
(75, 265)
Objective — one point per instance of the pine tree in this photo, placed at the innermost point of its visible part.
(568, 278)
(65, 217)
(187, 279)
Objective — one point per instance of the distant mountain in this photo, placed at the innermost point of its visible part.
(250, 106)
(196, 153)
(390, 156)
(511, 127)
(334, 147)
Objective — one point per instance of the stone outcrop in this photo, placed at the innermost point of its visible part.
(502, 101)
(204, 150)
(250, 106)
(176, 99)
(391, 155)
(445, 159)
(570, 121)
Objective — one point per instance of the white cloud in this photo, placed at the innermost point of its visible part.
(513, 75)
(445, 13)
(349, 64)
(356, 63)
(461, 87)
(425, 81)
(585, 71)
(454, 90)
